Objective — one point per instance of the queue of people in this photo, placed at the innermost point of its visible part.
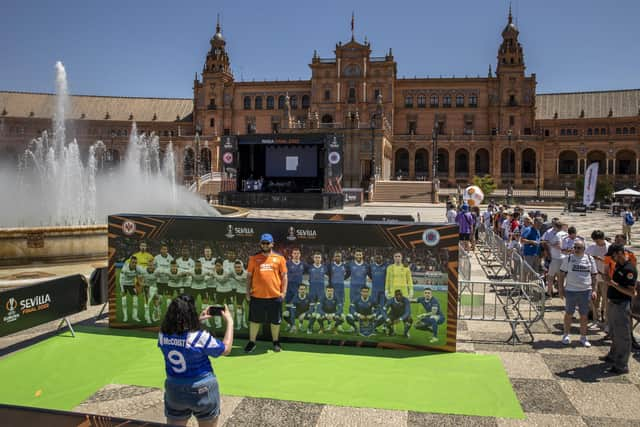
(594, 276)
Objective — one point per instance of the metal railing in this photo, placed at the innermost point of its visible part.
(464, 263)
(515, 303)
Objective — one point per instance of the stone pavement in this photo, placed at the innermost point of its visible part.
(555, 384)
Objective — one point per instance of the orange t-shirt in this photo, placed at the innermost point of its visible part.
(266, 275)
(608, 261)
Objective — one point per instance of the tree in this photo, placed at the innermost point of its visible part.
(485, 183)
(604, 188)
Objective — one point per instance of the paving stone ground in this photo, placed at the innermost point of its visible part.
(556, 385)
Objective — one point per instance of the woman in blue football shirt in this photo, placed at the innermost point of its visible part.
(191, 388)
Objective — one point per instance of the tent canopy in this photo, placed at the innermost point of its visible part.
(627, 192)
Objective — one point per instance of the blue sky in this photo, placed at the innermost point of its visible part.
(154, 48)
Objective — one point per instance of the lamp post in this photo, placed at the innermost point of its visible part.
(511, 170)
(196, 166)
(434, 162)
(538, 181)
(372, 165)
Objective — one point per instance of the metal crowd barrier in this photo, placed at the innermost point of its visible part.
(515, 303)
(464, 264)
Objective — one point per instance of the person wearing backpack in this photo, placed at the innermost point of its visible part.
(627, 221)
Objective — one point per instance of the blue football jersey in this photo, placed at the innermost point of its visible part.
(316, 276)
(337, 274)
(430, 305)
(399, 308)
(378, 277)
(301, 305)
(186, 355)
(361, 306)
(294, 273)
(329, 306)
(358, 274)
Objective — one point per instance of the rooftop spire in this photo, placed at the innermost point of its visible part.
(218, 23)
(353, 25)
(510, 16)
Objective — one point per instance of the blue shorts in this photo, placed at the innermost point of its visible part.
(581, 299)
(200, 397)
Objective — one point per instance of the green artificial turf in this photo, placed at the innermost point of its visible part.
(61, 372)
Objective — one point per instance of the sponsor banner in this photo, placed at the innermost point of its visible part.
(590, 183)
(29, 306)
(228, 154)
(334, 164)
(385, 284)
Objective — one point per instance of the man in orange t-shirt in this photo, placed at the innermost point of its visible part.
(266, 288)
(620, 239)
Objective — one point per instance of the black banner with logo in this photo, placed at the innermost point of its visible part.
(207, 258)
(229, 155)
(29, 306)
(334, 162)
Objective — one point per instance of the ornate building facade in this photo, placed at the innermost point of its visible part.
(494, 125)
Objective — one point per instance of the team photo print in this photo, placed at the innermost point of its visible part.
(347, 283)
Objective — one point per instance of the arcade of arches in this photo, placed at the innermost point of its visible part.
(521, 166)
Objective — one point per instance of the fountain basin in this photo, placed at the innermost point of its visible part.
(20, 246)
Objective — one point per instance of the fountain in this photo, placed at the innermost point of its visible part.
(56, 207)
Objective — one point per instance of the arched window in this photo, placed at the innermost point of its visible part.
(270, 103)
(281, 102)
(446, 101)
(408, 101)
(402, 162)
(205, 161)
(258, 103)
(473, 101)
(508, 162)
(422, 101)
(460, 101)
(625, 131)
(305, 101)
(625, 162)
(188, 162)
(443, 162)
(568, 163)
(632, 131)
(482, 162)
(528, 164)
(462, 163)
(421, 165)
(212, 122)
(247, 102)
(293, 101)
(434, 101)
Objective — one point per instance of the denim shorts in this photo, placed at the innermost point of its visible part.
(199, 397)
(581, 299)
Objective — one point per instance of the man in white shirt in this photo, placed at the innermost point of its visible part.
(451, 215)
(598, 250)
(578, 277)
(554, 245)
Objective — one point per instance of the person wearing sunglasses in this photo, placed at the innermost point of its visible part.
(577, 281)
(266, 288)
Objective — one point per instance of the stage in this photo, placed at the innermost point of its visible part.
(283, 171)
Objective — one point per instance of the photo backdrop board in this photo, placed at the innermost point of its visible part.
(352, 254)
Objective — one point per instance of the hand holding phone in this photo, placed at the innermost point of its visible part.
(215, 310)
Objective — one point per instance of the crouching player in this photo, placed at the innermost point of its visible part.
(364, 310)
(329, 309)
(432, 317)
(299, 310)
(397, 309)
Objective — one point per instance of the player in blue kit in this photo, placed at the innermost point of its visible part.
(338, 273)
(432, 317)
(317, 273)
(358, 273)
(300, 309)
(364, 310)
(397, 309)
(330, 309)
(295, 271)
(378, 274)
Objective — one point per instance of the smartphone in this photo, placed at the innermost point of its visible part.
(215, 310)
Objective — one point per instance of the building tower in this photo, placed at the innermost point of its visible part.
(213, 95)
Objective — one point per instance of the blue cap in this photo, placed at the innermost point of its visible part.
(465, 207)
(266, 238)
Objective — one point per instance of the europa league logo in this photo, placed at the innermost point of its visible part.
(291, 234)
(230, 234)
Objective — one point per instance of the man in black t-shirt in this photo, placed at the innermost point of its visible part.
(621, 288)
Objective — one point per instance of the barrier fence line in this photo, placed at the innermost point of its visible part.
(515, 303)
(464, 263)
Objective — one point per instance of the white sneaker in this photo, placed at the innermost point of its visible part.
(566, 340)
(585, 342)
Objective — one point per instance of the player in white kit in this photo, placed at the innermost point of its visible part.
(238, 279)
(129, 274)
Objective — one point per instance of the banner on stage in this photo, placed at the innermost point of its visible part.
(375, 284)
(590, 183)
(29, 306)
